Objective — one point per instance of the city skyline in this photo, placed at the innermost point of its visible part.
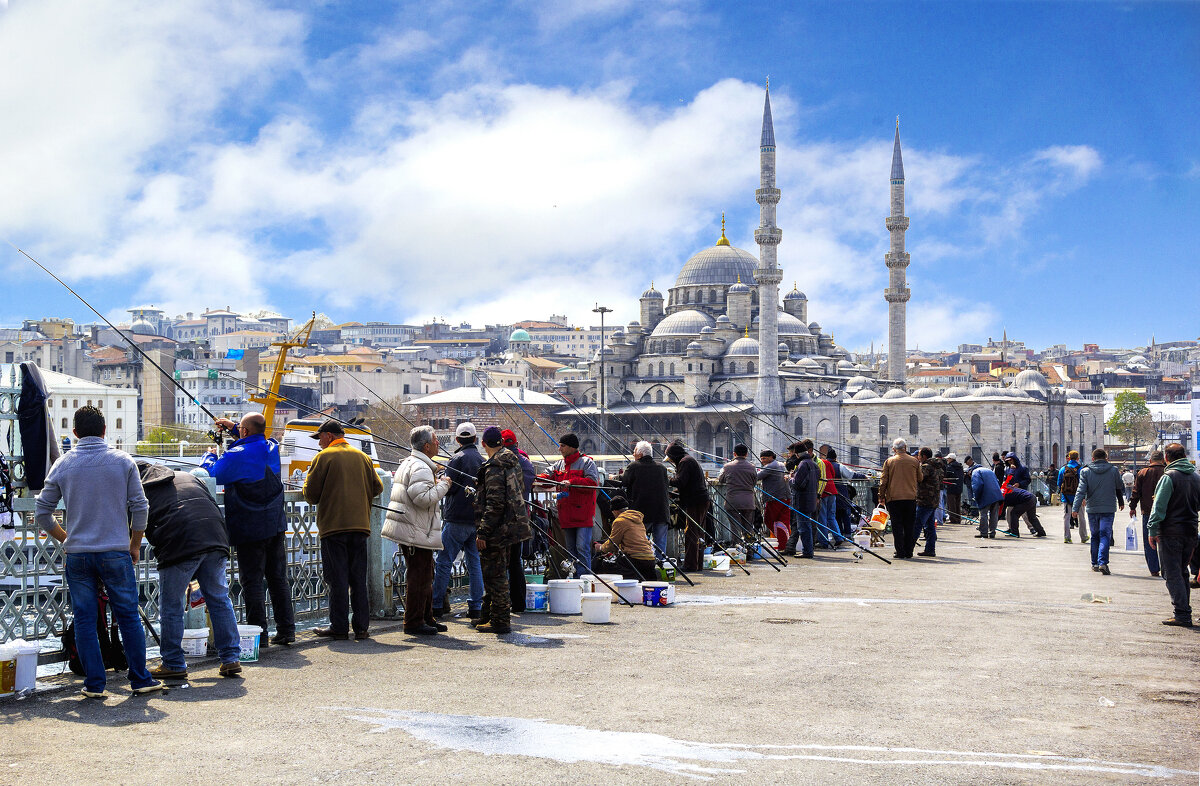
(531, 159)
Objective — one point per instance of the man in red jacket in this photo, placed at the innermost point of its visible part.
(578, 479)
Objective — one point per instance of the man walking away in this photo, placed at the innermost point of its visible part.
(577, 480)
(645, 484)
(692, 488)
(804, 484)
(898, 491)
(739, 478)
(985, 489)
(1172, 528)
(254, 514)
(105, 518)
(776, 497)
(458, 527)
(953, 485)
(929, 491)
(503, 520)
(1068, 486)
(187, 531)
(1143, 494)
(1100, 485)
(342, 482)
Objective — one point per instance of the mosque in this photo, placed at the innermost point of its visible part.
(721, 360)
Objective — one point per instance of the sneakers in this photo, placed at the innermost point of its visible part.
(1178, 623)
(1066, 540)
(330, 633)
(488, 627)
(165, 672)
(233, 669)
(1009, 533)
(103, 694)
(926, 554)
(1104, 569)
(151, 688)
(1096, 568)
(1083, 539)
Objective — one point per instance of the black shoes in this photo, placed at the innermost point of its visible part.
(439, 613)
(1178, 623)
(1104, 569)
(473, 614)
(361, 635)
(283, 638)
(926, 554)
(330, 633)
(439, 626)
(981, 536)
(422, 630)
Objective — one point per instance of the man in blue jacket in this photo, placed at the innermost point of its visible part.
(986, 491)
(1100, 485)
(254, 514)
(1068, 485)
(458, 524)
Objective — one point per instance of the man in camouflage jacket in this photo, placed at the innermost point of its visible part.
(929, 496)
(501, 519)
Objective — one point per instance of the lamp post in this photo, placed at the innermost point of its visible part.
(602, 310)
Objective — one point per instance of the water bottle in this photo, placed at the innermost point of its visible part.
(1130, 538)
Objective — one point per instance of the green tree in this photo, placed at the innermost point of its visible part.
(1131, 421)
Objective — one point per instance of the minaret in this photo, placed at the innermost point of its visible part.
(897, 293)
(769, 398)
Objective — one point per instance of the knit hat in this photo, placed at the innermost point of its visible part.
(618, 504)
(675, 451)
(508, 438)
(492, 437)
(570, 440)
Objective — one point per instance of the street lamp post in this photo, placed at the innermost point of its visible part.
(602, 310)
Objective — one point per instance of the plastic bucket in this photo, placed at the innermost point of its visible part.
(665, 571)
(537, 598)
(720, 562)
(611, 579)
(596, 607)
(752, 552)
(248, 640)
(195, 642)
(565, 596)
(8, 669)
(25, 677)
(589, 582)
(655, 593)
(629, 589)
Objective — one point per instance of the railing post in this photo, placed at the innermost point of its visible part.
(379, 561)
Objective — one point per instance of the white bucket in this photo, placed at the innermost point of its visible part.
(537, 598)
(195, 642)
(629, 589)
(8, 669)
(25, 678)
(596, 607)
(565, 596)
(248, 640)
(612, 579)
(589, 582)
(720, 562)
(863, 539)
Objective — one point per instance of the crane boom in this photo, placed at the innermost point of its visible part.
(271, 397)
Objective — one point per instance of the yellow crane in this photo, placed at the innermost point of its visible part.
(271, 397)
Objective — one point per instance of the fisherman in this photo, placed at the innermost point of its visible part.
(458, 527)
(777, 497)
(1068, 485)
(342, 482)
(739, 477)
(254, 514)
(898, 491)
(1101, 486)
(187, 531)
(1018, 503)
(929, 489)
(1144, 485)
(502, 520)
(414, 521)
(953, 487)
(985, 490)
(576, 479)
(105, 519)
(635, 556)
(827, 498)
(804, 499)
(645, 484)
(516, 565)
(1017, 471)
(1172, 528)
(693, 501)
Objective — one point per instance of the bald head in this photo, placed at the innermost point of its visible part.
(252, 424)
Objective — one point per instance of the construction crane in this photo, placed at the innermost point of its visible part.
(271, 397)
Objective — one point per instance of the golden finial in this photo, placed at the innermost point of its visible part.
(897, 122)
(724, 241)
(768, 83)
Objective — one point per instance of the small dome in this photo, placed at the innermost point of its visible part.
(784, 348)
(860, 382)
(864, 394)
(707, 330)
(694, 346)
(790, 326)
(1074, 395)
(1029, 379)
(743, 346)
(808, 364)
(142, 328)
(634, 323)
(985, 391)
(520, 334)
(895, 393)
(924, 393)
(739, 287)
(956, 393)
(652, 294)
(795, 294)
(724, 320)
(845, 365)
(688, 322)
(1138, 360)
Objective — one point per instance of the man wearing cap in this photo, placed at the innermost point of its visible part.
(516, 568)
(953, 481)
(342, 482)
(458, 524)
(503, 520)
(577, 480)
(692, 487)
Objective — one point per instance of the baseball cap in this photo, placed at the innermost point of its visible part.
(330, 427)
(508, 437)
(492, 437)
(465, 429)
(951, 457)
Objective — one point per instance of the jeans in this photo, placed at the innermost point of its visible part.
(1174, 552)
(828, 532)
(924, 522)
(265, 562)
(988, 516)
(802, 532)
(85, 572)
(209, 570)
(1152, 561)
(939, 513)
(579, 543)
(458, 538)
(1102, 524)
(344, 561)
(658, 533)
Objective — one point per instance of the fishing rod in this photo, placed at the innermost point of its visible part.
(827, 530)
(145, 355)
(584, 570)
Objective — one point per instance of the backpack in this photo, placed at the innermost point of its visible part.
(111, 648)
(1070, 480)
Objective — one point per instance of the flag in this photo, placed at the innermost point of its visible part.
(235, 354)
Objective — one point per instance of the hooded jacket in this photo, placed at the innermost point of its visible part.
(1019, 473)
(1101, 485)
(183, 521)
(953, 478)
(689, 478)
(1176, 502)
(805, 480)
(929, 487)
(984, 487)
(502, 517)
(576, 499)
(645, 484)
(1062, 473)
(629, 535)
(414, 517)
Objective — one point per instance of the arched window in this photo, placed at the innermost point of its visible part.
(64, 425)
(854, 424)
(914, 425)
(678, 346)
(712, 296)
(728, 396)
(645, 398)
(661, 368)
(658, 396)
(944, 425)
(975, 424)
(739, 396)
(687, 296)
(798, 426)
(700, 296)
(119, 422)
(883, 426)
(118, 403)
(671, 397)
(853, 454)
(733, 369)
(750, 368)
(671, 370)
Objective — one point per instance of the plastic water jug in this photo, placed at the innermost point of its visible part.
(1130, 538)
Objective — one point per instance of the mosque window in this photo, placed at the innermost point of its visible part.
(738, 397)
(728, 395)
(658, 396)
(883, 426)
(672, 398)
(689, 366)
(678, 346)
(671, 369)
(687, 296)
(661, 366)
(854, 424)
(854, 454)
(712, 296)
(750, 368)
(732, 367)
(975, 424)
(700, 296)
(645, 398)
(799, 426)
(944, 425)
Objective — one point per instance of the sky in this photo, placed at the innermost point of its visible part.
(493, 162)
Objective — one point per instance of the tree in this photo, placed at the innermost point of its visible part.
(1131, 421)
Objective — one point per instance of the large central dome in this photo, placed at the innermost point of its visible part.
(721, 264)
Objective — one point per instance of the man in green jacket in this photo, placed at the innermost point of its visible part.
(1173, 529)
(501, 519)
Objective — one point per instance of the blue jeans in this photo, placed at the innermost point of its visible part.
(1101, 524)
(939, 513)
(85, 572)
(658, 531)
(579, 543)
(828, 532)
(458, 538)
(924, 523)
(1150, 551)
(802, 528)
(209, 570)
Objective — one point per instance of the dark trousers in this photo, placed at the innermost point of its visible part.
(742, 521)
(1173, 555)
(1029, 511)
(694, 516)
(494, 562)
(516, 578)
(903, 514)
(954, 507)
(344, 563)
(1151, 554)
(418, 587)
(264, 562)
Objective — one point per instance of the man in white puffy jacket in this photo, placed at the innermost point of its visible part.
(414, 521)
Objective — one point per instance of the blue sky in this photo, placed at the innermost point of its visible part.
(503, 161)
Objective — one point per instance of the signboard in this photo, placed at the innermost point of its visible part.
(1195, 446)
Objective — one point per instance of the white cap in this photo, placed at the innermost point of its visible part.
(466, 429)
(951, 457)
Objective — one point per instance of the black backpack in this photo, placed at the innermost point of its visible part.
(111, 648)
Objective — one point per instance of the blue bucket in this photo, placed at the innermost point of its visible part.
(654, 593)
(537, 597)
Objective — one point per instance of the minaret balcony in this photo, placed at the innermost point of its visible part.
(767, 196)
(768, 275)
(896, 260)
(897, 296)
(768, 236)
(896, 222)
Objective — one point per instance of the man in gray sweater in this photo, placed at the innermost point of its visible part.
(105, 520)
(739, 478)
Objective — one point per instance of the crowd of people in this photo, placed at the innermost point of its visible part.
(479, 505)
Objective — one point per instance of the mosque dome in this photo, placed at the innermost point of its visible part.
(694, 346)
(1031, 380)
(808, 364)
(720, 264)
(1074, 395)
(814, 328)
(924, 393)
(724, 320)
(520, 334)
(141, 327)
(845, 365)
(688, 322)
(864, 394)
(707, 330)
(985, 391)
(895, 393)
(956, 393)
(652, 294)
(1138, 360)
(865, 383)
(790, 326)
(795, 294)
(784, 348)
(743, 346)
(634, 323)
(739, 287)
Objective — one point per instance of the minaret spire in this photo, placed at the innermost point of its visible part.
(769, 397)
(897, 293)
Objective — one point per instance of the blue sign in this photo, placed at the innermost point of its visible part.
(236, 354)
